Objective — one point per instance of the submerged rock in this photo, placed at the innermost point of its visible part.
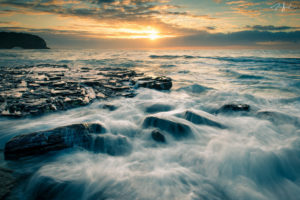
(51, 140)
(175, 128)
(109, 107)
(278, 117)
(158, 136)
(202, 118)
(112, 145)
(234, 108)
(157, 107)
(195, 88)
(7, 182)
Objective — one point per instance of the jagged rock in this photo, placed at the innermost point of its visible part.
(51, 140)
(159, 83)
(234, 108)
(158, 136)
(173, 126)
(34, 90)
(203, 118)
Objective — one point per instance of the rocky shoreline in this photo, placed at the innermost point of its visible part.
(43, 88)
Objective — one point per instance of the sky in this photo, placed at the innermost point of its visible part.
(156, 23)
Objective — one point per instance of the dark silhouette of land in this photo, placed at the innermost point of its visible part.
(9, 40)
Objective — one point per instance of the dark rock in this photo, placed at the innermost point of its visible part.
(234, 108)
(112, 145)
(9, 40)
(174, 127)
(7, 182)
(35, 90)
(155, 108)
(159, 83)
(109, 107)
(202, 118)
(158, 136)
(51, 140)
(51, 188)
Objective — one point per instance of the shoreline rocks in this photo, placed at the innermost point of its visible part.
(51, 140)
(35, 90)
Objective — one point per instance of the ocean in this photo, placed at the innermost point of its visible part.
(254, 155)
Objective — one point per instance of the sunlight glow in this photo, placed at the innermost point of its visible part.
(153, 37)
(145, 33)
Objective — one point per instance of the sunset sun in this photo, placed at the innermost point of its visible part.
(153, 36)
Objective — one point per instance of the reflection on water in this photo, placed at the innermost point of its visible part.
(256, 155)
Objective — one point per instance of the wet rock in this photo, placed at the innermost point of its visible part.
(203, 118)
(195, 88)
(234, 108)
(7, 182)
(278, 117)
(159, 83)
(112, 145)
(34, 90)
(174, 127)
(109, 107)
(51, 140)
(158, 136)
(155, 108)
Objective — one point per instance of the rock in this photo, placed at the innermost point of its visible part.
(7, 182)
(9, 40)
(174, 127)
(278, 117)
(195, 88)
(100, 95)
(155, 108)
(35, 90)
(159, 83)
(203, 118)
(158, 136)
(234, 108)
(109, 107)
(51, 140)
(112, 145)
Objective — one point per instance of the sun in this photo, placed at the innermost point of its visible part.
(153, 36)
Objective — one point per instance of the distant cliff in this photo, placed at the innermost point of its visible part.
(9, 40)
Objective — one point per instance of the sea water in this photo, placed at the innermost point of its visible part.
(254, 157)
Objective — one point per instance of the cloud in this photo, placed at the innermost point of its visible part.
(253, 38)
(241, 38)
(271, 28)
